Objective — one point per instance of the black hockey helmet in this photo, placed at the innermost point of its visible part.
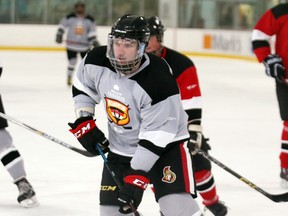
(132, 29)
(79, 4)
(156, 28)
(131, 26)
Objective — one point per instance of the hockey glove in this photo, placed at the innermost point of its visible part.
(132, 191)
(94, 42)
(195, 132)
(274, 67)
(89, 135)
(59, 36)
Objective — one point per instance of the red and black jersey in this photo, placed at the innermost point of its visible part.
(272, 22)
(184, 71)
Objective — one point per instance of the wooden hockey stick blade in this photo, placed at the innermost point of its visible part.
(274, 197)
(47, 136)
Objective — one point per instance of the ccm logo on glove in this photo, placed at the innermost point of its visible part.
(136, 180)
(85, 127)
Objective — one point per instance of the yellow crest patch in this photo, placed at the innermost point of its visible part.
(168, 175)
(79, 30)
(117, 111)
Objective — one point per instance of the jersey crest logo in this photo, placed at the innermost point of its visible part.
(79, 30)
(168, 175)
(117, 111)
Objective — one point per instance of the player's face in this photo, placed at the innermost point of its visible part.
(125, 49)
(80, 10)
(153, 45)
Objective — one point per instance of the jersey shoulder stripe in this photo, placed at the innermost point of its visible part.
(280, 10)
(97, 56)
(76, 91)
(71, 15)
(259, 44)
(177, 61)
(89, 17)
(156, 79)
(3, 122)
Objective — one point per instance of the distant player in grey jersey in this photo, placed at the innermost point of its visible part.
(13, 162)
(81, 35)
(146, 122)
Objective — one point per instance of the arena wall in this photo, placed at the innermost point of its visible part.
(198, 42)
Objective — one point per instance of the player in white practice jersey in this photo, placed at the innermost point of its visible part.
(13, 162)
(146, 122)
(80, 35)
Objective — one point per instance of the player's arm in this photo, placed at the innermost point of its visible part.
(190, 94)
(262, 34)
(85, 99)
(92, 36)
(192, 102)
(61, 28)
(266, 27)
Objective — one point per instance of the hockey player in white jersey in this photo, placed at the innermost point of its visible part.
(80, 35)
(13, 162)
(146, 122)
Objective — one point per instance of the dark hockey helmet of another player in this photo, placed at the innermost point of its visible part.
(156, 28)
(131, 29)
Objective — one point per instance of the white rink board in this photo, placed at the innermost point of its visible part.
(221, 42)
(240, 117)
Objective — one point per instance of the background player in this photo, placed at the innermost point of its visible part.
(13, 162)
(184, 71)
(146, 122)
(275, 22)
(81, 35)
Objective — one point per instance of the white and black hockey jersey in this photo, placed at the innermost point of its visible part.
(142, 108)
(79, 31)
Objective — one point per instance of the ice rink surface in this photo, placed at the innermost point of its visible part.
(240, 117)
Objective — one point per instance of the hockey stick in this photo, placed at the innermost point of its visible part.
(273, 197)
(47, 136)
(136, 213)
(83, 152)
(77, 43)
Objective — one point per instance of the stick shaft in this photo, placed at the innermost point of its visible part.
(45, 135)
(136, 213)
(275, 198)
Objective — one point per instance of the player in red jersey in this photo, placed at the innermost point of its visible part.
(275, 22)
(185, 73)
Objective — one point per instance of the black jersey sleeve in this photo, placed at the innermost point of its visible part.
(3, 122)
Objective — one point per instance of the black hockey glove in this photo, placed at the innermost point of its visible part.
(131, 193)
(274, 67)
(59, 36)
(195, 132)
(89, 135)
(94, 42)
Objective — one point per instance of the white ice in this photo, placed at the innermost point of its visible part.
(240, 117)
